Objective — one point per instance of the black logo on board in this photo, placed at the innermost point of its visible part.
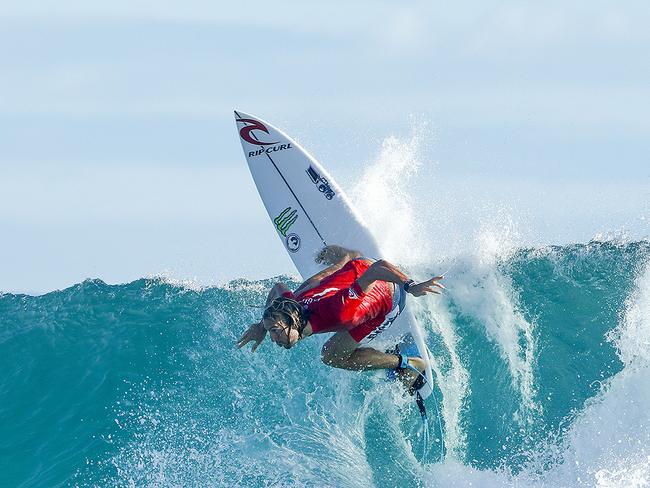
(293, 242)
(321, 183)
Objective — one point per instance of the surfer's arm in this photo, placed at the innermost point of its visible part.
(382, 270)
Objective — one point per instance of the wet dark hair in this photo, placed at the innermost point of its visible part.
(288, 309)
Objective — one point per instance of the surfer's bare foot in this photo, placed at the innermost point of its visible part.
(407, 376)
(334, 254)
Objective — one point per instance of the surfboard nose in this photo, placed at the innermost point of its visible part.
(242, 115)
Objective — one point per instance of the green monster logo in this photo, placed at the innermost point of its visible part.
(285, 220)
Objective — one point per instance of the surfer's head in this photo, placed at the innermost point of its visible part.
(285, 320)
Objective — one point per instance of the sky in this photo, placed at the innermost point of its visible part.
(119, 157)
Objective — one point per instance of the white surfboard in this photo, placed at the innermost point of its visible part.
(309, 210)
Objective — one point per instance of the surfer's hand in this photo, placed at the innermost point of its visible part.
(429, 286)
(255, 333)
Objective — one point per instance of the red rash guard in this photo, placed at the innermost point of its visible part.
(337, 302)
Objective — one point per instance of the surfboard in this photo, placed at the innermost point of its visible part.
(309, 210)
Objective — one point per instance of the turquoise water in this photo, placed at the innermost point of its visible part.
(542, 359)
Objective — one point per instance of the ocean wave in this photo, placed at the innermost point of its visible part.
(541, 358)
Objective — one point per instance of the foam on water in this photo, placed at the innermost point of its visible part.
(609, 443)
(480, 290)
(386, 203)
(605, 444)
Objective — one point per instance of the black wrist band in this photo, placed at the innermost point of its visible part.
(407, 284)
(402, 361)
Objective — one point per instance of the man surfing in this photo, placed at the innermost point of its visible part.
(353, 297)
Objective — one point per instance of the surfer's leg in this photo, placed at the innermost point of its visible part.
(342, 351)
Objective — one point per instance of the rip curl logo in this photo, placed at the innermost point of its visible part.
(285, 220)
(245, 132)
(269, 150)
(321, 183)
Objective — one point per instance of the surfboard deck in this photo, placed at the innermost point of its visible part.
(309, 210)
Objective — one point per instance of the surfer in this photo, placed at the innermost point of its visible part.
(354, 297)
